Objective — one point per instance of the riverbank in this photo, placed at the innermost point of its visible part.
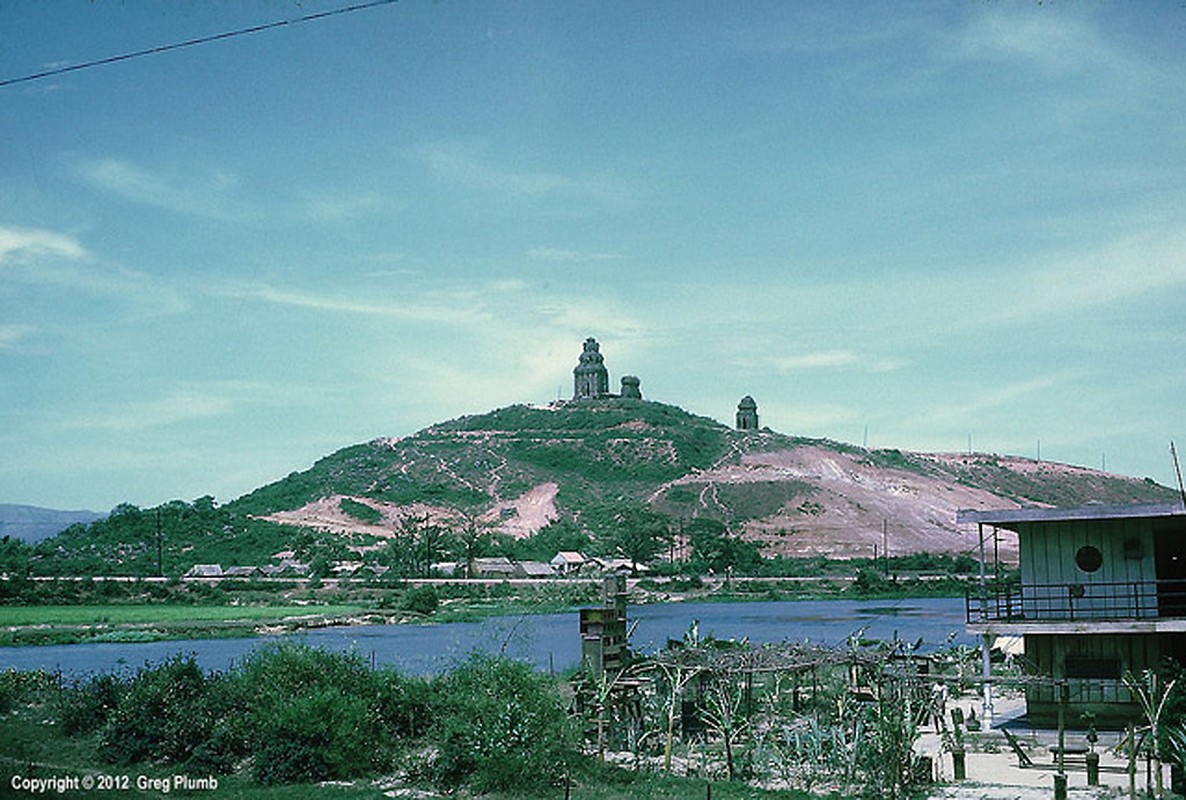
(152, 611)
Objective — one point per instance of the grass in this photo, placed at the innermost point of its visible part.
(31, 746)
(43, 625)
(159, 612)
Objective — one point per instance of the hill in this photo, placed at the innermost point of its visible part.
(32, 523)
(521, 467)
(584, 474)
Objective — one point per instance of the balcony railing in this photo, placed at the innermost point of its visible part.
(1062, 602)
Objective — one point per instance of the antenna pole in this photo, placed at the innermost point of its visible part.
(1178, 470)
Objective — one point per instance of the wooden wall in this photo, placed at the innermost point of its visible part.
(1124, 581)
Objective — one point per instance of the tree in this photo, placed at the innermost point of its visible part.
(558, 535)
(417, 545)
(638, 533)
(714, 549)
(472, 541)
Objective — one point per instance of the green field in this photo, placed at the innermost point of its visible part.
(11, 616)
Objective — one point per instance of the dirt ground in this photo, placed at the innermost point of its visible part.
(993, 771)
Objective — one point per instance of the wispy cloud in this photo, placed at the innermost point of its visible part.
(466, 166)
(44, 257)
(823, 359)
(179, 406)
(1058, 43)
(994, 398)
(1113, 274)
(458, 164)
(570, 256)
(415, 308)
(22, 244)
(10, 335)
(208, 193)
(336, 206)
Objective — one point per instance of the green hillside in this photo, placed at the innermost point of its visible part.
(612, 464)
(607, 451)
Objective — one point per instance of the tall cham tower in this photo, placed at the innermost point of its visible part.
(590, 378)
(747, 414)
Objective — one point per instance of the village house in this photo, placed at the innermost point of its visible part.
(534, 569)
(204, 571)
(241, 572)
(493, 567)
(609, 565)
(1102, 594)
(568, 562)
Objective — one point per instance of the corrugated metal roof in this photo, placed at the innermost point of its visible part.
(1008, 517)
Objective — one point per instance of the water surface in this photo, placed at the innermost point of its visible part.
(548, 641)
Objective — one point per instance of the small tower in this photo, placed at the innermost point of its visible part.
(590, 378)
(631, 387)
(747, 414)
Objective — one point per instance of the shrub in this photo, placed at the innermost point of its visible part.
(87, 706)
(163, 715)
(8, 692)
(422, 600)
(321, 734)
(870, 582)
(314, 715)
(500, 727)
(360, 511)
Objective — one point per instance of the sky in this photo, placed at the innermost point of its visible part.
(931, 226)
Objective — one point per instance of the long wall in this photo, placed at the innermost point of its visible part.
(1055, 586)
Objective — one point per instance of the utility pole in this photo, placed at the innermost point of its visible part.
(885, 543)
(159, 561)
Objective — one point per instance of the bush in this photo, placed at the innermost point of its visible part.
(871, 582)
(321, 734)
(360, 511)
(422, 600)
(317, 715)
(8, 692)
(163, 715)
(501, 727)
(87, 706)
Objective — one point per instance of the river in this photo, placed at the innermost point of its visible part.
(548, 641)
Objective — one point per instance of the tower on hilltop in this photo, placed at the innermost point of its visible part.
(631, 387)
(590, 378)
(747, 414)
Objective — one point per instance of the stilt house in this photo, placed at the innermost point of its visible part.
(1102, 592)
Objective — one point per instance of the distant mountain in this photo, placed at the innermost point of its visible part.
(520, 467)
(32, 524)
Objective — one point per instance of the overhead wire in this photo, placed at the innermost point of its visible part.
(196, 41)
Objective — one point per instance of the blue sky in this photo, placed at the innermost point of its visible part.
(911, 224)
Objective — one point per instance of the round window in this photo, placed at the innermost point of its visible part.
(1089, 558)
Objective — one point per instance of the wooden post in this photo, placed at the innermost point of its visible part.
(1132, 762)
(1064, 692)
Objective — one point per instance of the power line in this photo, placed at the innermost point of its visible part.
(200, 40)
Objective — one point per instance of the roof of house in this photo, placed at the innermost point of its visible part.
(613, 564)
(238, 571)
(533, 569)
(1009, 517)
(570, 556)
(205, 570)
(494, 564)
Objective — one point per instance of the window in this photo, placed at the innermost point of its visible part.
(1097, 668)
(1089, 558)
